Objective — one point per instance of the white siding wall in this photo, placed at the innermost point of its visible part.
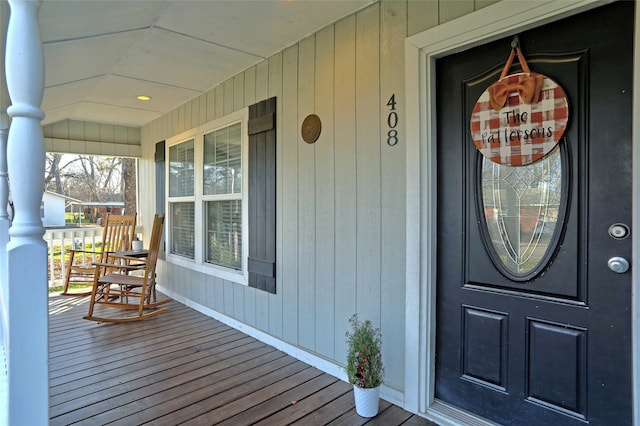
(54, 214)
(341, 201)
(80, 137)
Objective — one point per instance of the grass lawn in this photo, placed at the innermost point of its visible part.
(58, 289)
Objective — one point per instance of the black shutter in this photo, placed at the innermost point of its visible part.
(160, 187)
(262, 195)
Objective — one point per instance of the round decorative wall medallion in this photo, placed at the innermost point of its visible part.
(311, 128)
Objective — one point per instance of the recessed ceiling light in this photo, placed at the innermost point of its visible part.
(144, 98)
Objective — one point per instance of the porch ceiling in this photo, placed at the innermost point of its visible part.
(99, 55)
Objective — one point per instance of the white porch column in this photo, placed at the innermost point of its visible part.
(4, 132)
(4, 239)
(4, 199)
(4, 181)
(4, 219)
(27, 251)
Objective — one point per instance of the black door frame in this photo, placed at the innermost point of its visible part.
(421, 51)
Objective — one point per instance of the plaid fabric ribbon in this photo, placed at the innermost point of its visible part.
(520, 132)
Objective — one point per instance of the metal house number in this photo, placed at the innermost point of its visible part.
(392, 122)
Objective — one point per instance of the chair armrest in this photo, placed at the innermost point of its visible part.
(72, 255)
(140, 262)
(115, 255)
(123, 266)
(87, 251)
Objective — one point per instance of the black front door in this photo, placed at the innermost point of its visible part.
(533, 324)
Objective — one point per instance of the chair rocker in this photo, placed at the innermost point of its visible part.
(127, 283)
(117, 234)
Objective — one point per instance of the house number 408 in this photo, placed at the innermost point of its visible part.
(392, 121)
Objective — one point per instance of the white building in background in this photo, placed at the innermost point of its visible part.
(53, 208)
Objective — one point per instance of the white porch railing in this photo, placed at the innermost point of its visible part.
(60, 241)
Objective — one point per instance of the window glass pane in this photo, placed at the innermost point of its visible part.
(182, 229)
(224, 233)
(181, 169)
(222, 161)
(521, 207)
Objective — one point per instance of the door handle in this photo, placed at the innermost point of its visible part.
(618, 264)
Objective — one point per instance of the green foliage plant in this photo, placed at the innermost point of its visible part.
(364, 357)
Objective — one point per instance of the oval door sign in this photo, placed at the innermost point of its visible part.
(519, 119)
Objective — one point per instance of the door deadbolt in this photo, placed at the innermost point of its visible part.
(619, 265)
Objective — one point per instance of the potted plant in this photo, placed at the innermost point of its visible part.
(364, 365)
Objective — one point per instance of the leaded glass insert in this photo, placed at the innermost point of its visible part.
(522, 207)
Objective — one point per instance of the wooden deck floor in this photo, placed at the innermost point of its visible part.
(183, 367)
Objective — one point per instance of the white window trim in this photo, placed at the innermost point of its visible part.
(199, 263)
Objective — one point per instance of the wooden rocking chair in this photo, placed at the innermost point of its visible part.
(129, 288)
(118, 232)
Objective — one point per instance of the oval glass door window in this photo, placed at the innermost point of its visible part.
(523, 208)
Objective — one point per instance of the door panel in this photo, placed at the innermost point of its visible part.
(554, 348)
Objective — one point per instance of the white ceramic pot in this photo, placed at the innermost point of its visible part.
(136, 245)
(367, 401)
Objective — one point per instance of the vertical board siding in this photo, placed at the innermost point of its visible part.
(182, 120)
(324, 191)
(229, 292)
(250, 86)
(211, 105)
(238, 92)
(276, 324)
(393, 185)
(345, 180)
(219, 101)
(368, 164)
(288, 204)
(195, 113)
(421, 9)
(452, 9)
(306, 198)
(210, 291)
(228, 98)
(340, 202)
(202, 117)
(238, 302)
(249, 297)
(219, 284)
(92, 131)
(262, 81)
(79, 137)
